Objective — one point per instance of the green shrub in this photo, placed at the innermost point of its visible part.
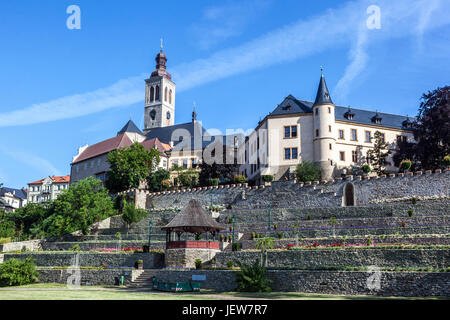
(405, 165)
(14, 272)
(252, 278)
(214, 181)
(239, 178)
(280, 235)
(410, 212)
(447, 160)
(76, 247)
(5, 240)
(118, 236)
(236, 246)
(253, 235)
(230, 264)
(414, 200)
(369, 242)
(213, 261)
(366, 168)
(198, 264)
(267, 178)
(307, 171)
(308, 217)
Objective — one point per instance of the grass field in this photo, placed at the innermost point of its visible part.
(61, 292)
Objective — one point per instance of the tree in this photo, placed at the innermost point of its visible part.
(155, 179)
(432, 128)
(377, 156)
(130, 166)
(29, 218)
(307, 171)
(188, 178)
(76, 208)
(132, 215)
(7, 226)
(263, 244)
(14, 272)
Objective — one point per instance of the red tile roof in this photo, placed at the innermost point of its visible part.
(105, 146)
(117, 142)
(62, 179)
(148, 144)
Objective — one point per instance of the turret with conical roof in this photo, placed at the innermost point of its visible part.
(324, 130)
(322, 96)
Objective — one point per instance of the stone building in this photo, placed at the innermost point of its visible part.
(334, 137)
(12, 199)
(92, 161)
(185, 144)
(47, 189)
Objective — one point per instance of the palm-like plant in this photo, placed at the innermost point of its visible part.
(263, 244)
(252, 278)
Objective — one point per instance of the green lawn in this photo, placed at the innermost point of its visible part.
(51, 291)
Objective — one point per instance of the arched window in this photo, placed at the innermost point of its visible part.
(165, 94)
(170, 96)
(157, 93)
(152, 93)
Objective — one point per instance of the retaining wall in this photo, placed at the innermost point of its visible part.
(322, 258)
(327, 282)
(51, 259)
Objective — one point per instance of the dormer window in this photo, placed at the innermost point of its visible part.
(287, 108)
(349, 115)
(376, 119)
(407, 123)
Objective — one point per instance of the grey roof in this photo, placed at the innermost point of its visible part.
(193, 218)
(360, 116)
(166, 134)
(365, 117)
(291, 105)
(323, 96)
(130, 127)
(19, 193)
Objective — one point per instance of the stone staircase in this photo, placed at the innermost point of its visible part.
(144, 280)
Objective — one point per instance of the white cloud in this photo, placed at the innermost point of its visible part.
(225, 21)
(335, 27)
(40, 164)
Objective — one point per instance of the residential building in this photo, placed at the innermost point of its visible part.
(47, 189)
(12, 199)
(334, 137)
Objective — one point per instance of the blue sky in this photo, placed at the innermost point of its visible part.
(237, 60)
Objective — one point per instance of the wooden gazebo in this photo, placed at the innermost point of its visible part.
(193, 219)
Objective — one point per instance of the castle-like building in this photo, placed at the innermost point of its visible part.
(337, 138)
(334, 137)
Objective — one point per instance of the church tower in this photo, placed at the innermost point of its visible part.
(324, 129)
(159, 96)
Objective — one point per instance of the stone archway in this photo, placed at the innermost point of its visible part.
(348, 195)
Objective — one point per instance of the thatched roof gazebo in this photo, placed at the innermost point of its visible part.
(195, 220)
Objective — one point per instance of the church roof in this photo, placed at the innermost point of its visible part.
(164, 134)
(323, 96)
(152, 143)
(193, 218)
(130, 127)
(119, 141)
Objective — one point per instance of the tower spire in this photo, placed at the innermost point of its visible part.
(323, 96)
